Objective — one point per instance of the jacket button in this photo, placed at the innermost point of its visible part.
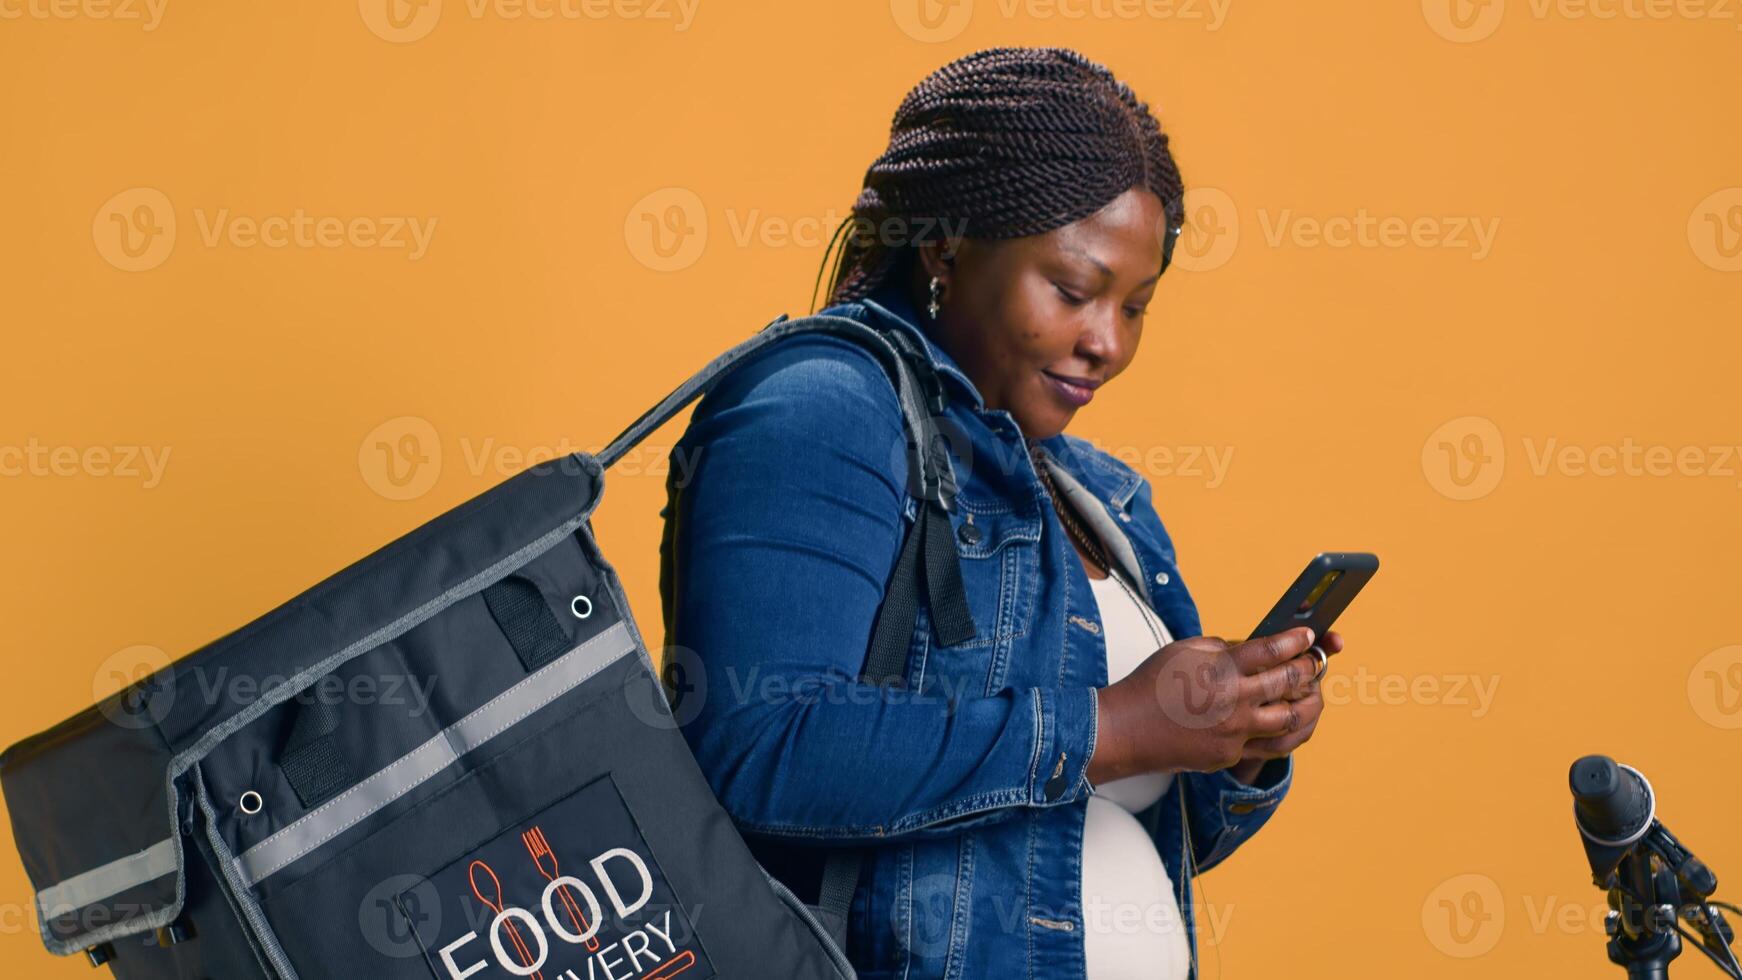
(1161, 578)
(1241, 808)
(969, 534)
(1125, 516)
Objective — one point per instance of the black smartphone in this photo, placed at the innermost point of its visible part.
(1321, 593)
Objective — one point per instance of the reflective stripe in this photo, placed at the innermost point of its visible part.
(107, 881)
(403, 775)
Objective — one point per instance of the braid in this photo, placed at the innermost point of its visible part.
(1002, 143)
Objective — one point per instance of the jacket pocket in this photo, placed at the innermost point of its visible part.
(998, 545)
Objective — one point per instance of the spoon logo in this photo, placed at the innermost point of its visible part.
(1211, 232)
(1465, 458)
(1715, 230)
(135, 230)
(931, 21)
(1464, 916)
(400, 21)
(667, 230)
(1464, 21)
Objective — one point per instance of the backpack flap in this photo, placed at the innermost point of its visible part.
(98, 803)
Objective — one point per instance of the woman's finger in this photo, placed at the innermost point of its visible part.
(1263, 653)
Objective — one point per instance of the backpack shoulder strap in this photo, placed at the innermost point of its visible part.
(928, 559)
(928, 564)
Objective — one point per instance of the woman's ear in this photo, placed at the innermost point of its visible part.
(938, 258)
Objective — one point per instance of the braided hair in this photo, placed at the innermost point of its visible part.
(1002, 143)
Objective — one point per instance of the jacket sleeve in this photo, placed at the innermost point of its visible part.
(784, 525)
(1225, 813)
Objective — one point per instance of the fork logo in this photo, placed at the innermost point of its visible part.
(134, 231)
(931, 21)
(1715, 230)
(1464, 21)
(400, 21)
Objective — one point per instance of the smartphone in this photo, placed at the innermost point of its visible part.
(1321, 593)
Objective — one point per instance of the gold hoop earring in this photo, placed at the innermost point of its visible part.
(936, 290)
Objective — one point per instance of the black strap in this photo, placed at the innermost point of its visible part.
(311, 761)
(887, 664)
(532, 629)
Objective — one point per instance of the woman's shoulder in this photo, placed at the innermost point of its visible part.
(808, 379)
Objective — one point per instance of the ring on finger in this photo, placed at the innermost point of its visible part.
(1324, 661)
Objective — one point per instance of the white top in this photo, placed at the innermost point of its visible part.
(1131, 918)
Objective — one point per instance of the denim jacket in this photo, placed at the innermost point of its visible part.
(785, 514)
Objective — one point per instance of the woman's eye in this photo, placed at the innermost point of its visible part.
(1069, 297)
(1135, 312)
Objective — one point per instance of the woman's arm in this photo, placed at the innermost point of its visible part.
(788, 522)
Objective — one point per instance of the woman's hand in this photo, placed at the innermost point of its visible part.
(1309, 700)
(1197, 704)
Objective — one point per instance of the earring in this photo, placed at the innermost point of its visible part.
(936, 289)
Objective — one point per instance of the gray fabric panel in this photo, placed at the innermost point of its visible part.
(409, 771)
(111, 879)
(1093, 511)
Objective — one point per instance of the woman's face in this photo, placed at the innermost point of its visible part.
(1038, 323)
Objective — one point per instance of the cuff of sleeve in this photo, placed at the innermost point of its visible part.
(1270, 786)
(1068, 722)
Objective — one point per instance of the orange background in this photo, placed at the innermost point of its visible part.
(1358, 386)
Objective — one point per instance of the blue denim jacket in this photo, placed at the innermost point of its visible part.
(968, 789)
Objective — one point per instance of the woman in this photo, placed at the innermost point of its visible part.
(1035, 801)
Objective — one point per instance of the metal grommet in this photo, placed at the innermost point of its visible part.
(251, 803)
(581, 606)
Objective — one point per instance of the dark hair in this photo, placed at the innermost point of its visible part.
(1002, 143)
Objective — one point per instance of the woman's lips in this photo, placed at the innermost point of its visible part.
(1074, 395)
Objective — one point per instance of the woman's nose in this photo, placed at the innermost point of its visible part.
(1101, 340)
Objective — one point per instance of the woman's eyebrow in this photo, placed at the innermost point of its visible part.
(1105, 270)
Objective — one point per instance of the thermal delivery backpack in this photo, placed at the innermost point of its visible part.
(454, 759)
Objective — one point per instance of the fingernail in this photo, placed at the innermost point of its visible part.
(1310, 636)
